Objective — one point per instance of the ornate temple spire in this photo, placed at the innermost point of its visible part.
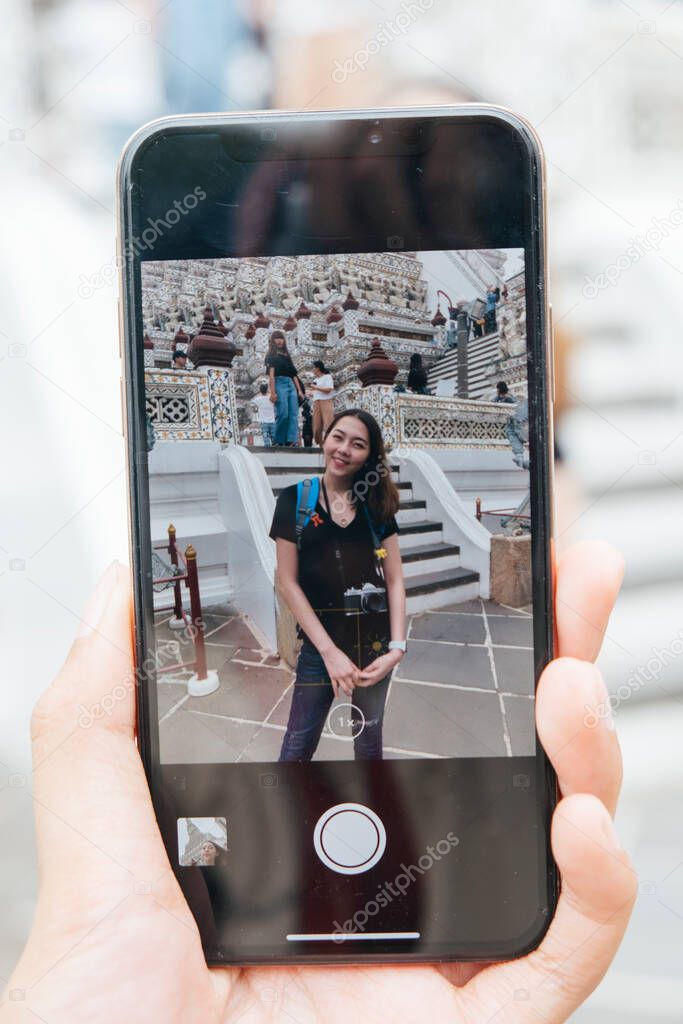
(210, 347)
(378, 368)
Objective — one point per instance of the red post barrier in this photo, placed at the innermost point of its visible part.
(196, 611)
(173, 552)
(477, 505)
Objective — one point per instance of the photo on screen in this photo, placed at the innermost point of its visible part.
(202, 842)
(397, 381)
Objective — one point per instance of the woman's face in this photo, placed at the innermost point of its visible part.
(208, 853)
(279, 342)
(346, 447)
(317, 371)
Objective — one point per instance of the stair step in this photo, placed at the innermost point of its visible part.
(272, 448)
(283, 469)
(413, 503)
(429, 582)
(403, 485)
(425, 551)
(422, 526)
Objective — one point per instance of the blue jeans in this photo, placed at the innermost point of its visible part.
(268, 433)
(311, 701)
(286, 411)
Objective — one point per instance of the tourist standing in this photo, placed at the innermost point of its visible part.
(417, 375)
(266, 415)
(284, 390)
(517, 423)
(340, 574)
(179, 360)
(492, 298)
(323, 400)
(306, 424)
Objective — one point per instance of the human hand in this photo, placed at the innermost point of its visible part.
(343, 673)
(114, 939)
(379, 668)
(273, 397)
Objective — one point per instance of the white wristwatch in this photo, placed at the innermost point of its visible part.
(397, 645)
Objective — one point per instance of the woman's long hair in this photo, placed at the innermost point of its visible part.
(372, 482)
(416, 361)
(273, 348)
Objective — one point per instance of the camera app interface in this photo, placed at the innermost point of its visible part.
(338, 470)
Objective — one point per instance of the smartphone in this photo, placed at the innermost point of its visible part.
(337, 384)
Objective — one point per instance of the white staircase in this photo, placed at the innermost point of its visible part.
(481, 353)
(433, 574)
(183, 490)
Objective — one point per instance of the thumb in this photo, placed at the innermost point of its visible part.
(95, 825)
(96, 684)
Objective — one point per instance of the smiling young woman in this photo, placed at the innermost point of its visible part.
(339, 571)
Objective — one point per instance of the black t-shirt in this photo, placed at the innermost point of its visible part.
(282, 365)
(362, 636)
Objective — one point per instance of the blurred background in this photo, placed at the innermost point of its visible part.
(602, 82)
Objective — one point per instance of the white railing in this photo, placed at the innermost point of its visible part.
(246, 503)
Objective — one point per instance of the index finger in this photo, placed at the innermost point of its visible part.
(587, 580)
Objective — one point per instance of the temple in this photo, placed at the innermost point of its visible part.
(463, 519)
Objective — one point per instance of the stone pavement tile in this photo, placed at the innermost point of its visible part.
(168, 694)
(264, 746)
(438, 720)
(245, 692)
(200, 739)
(513, 629)
(212, 621)
(441, 663)
(332, 749)
(224, 609)
(235, 632)
(280, 715)
(492, 608)
(246, 655)
(218, 655)
(515, 670)
(519, 714)
(468, 629)
(163, 633)
(463, 606)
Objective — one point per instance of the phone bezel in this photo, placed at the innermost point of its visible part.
(138, 520)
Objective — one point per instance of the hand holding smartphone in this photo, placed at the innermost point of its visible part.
(137, 942)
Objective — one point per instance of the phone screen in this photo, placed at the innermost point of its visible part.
(337, 413)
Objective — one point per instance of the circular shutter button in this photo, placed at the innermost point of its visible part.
(349, 838)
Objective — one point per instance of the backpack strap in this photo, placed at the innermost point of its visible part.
(376, 534)
(306, 499)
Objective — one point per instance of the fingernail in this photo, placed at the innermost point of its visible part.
(610, 833)
(94, 609)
